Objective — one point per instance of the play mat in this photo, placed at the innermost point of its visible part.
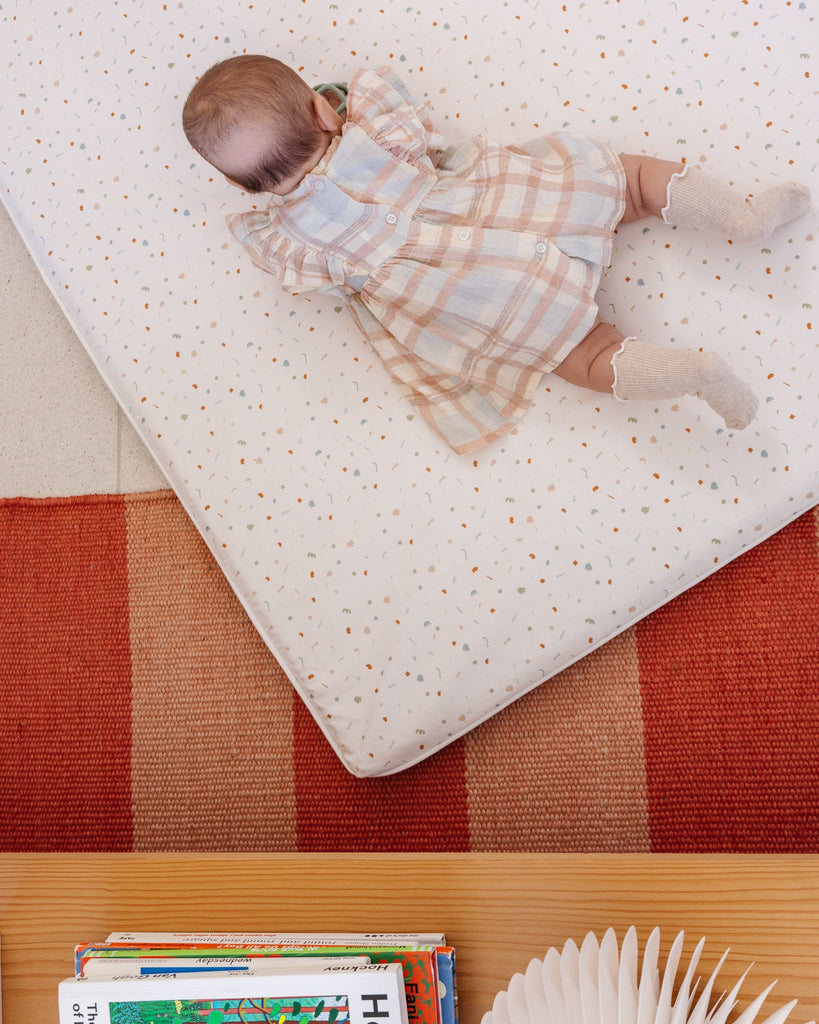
(409, 592)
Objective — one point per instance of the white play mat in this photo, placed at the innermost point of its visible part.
(408, 592)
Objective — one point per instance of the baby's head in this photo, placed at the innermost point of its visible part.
(255, 120)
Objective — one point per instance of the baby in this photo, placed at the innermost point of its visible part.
(471, 270)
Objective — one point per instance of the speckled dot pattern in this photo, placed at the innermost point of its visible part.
(408, 592)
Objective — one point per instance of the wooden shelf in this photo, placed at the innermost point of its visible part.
(499, 910)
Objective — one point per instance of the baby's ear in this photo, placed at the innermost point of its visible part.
(328, 119)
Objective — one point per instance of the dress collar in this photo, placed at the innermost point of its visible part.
(307, 185)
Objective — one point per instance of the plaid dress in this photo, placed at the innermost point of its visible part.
(472, 270)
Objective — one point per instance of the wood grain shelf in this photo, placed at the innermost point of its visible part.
(498, 910)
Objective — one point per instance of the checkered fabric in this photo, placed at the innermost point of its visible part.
(472, 271)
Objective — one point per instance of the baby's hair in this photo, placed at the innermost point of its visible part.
(261, 96)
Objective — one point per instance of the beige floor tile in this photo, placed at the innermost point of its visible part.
(61, 430)
(137, 469)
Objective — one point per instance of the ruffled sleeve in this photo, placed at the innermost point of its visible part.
(380, 104)
(296, 267)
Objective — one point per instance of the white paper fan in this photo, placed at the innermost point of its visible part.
(597, 984)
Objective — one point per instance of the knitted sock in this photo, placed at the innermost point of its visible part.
(696, 200)
(643, 372)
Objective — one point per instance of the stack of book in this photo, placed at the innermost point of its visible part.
(235, 978)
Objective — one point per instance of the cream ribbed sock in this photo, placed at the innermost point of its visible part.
(643, 372)
(697, 200)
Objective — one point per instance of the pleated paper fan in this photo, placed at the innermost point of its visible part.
(599, 984)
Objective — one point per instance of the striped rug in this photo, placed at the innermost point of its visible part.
(141, 711)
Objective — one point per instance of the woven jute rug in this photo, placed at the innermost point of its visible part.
(141, 711)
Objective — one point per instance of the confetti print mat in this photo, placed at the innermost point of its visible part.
(410, 594)
(142, 711)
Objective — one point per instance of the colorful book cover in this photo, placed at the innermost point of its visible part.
(335, 994)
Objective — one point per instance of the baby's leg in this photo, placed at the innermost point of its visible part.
(697, 200)
(686, 196)
(589, 364)
(631, 370)
(647, 181)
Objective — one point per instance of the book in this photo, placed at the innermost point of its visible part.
(240, 944)
(429, 968)
(419, 965)
(121, 951)
(282, 938)
(134, 967)
(447, 985)
(351, 993)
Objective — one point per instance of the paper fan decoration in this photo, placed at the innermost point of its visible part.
(599, 984)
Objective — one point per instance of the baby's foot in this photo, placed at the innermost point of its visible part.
(765, 213)
(727, 395)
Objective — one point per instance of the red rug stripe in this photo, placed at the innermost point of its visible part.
(731, 705)
(65, 678)
(423, 809)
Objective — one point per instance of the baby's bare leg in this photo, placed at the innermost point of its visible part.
(589, 364)
(686, 196)
(631, 370)
(647, 181)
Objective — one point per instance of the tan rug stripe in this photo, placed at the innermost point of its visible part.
(576, 778)
(212, 726)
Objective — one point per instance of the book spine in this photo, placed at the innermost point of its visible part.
(134, 967)
(277, 938)
(88, 951)
(447, 985)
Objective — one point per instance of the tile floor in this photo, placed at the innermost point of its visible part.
(61, 430)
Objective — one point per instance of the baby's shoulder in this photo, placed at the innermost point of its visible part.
(381, 89)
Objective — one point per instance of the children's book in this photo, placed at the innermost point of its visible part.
(447, 986)
(428, 969)
(349, 993)
(404, 939)
(96, 968)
